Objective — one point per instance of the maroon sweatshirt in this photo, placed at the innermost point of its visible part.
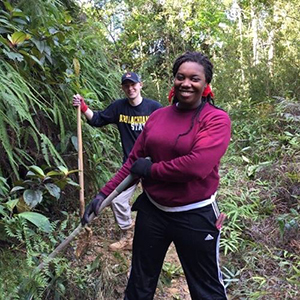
(185, 168)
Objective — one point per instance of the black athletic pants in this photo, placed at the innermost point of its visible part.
(197, 243)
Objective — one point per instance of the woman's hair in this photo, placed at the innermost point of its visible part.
(196, 57)
(202, 60)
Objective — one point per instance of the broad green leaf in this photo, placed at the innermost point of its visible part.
(63, 169)
(37, 219)
(48, 51)
(32, 198)
(54, 173)
(53, 189)
(29, 181)
(30, 173)
(11, 204)
(16, 188)
(2, 179)
(17, 37)
(37, 170)
(32, 57)
(5, 22)
(49, 58)
(40, 45)
(13, 55)
(287, 133)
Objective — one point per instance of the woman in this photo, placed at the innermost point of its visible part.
(185, 142)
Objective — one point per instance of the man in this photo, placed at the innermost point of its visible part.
(130, 115)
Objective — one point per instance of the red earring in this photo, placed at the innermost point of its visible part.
(207, 91)
(171, 94)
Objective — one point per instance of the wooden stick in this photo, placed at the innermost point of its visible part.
(80, 163)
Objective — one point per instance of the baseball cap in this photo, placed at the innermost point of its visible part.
(131, 76)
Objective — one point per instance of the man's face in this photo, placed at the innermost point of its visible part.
(131, 89)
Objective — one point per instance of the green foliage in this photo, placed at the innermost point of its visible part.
(39, 185)
(230, 275)
(39, 75)
(288, 223)
(4, 187)
(169, 272)
(38, 220)
(57, 280)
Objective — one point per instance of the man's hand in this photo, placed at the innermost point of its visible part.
(141, 167)
(92, 207)
(78, 100)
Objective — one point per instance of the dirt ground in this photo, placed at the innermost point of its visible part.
(178, 289)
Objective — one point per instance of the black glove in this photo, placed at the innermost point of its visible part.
(141, 167)
(92, 207)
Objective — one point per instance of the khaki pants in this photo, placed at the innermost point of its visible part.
(122, 209)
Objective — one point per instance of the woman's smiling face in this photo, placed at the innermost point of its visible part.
(189, 84)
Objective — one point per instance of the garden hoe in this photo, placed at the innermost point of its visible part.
(119, 189)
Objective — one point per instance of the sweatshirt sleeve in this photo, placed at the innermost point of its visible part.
(107, 116)
(136, 152)
(209, 146)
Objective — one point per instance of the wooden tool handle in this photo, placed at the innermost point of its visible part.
(80, 163)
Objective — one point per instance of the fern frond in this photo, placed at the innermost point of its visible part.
(59, 120)
(7, 146)
(30, 132)
(48, 148)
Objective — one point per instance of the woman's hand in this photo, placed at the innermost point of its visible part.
(141, 167)
(92, 207)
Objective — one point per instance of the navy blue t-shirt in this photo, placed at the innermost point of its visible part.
(129, 119)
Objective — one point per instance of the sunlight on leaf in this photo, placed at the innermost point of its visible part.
(37, 170)
(63, 169)
(16, 188)
(17, 38)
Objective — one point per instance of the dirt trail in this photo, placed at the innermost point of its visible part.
(178, 288)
